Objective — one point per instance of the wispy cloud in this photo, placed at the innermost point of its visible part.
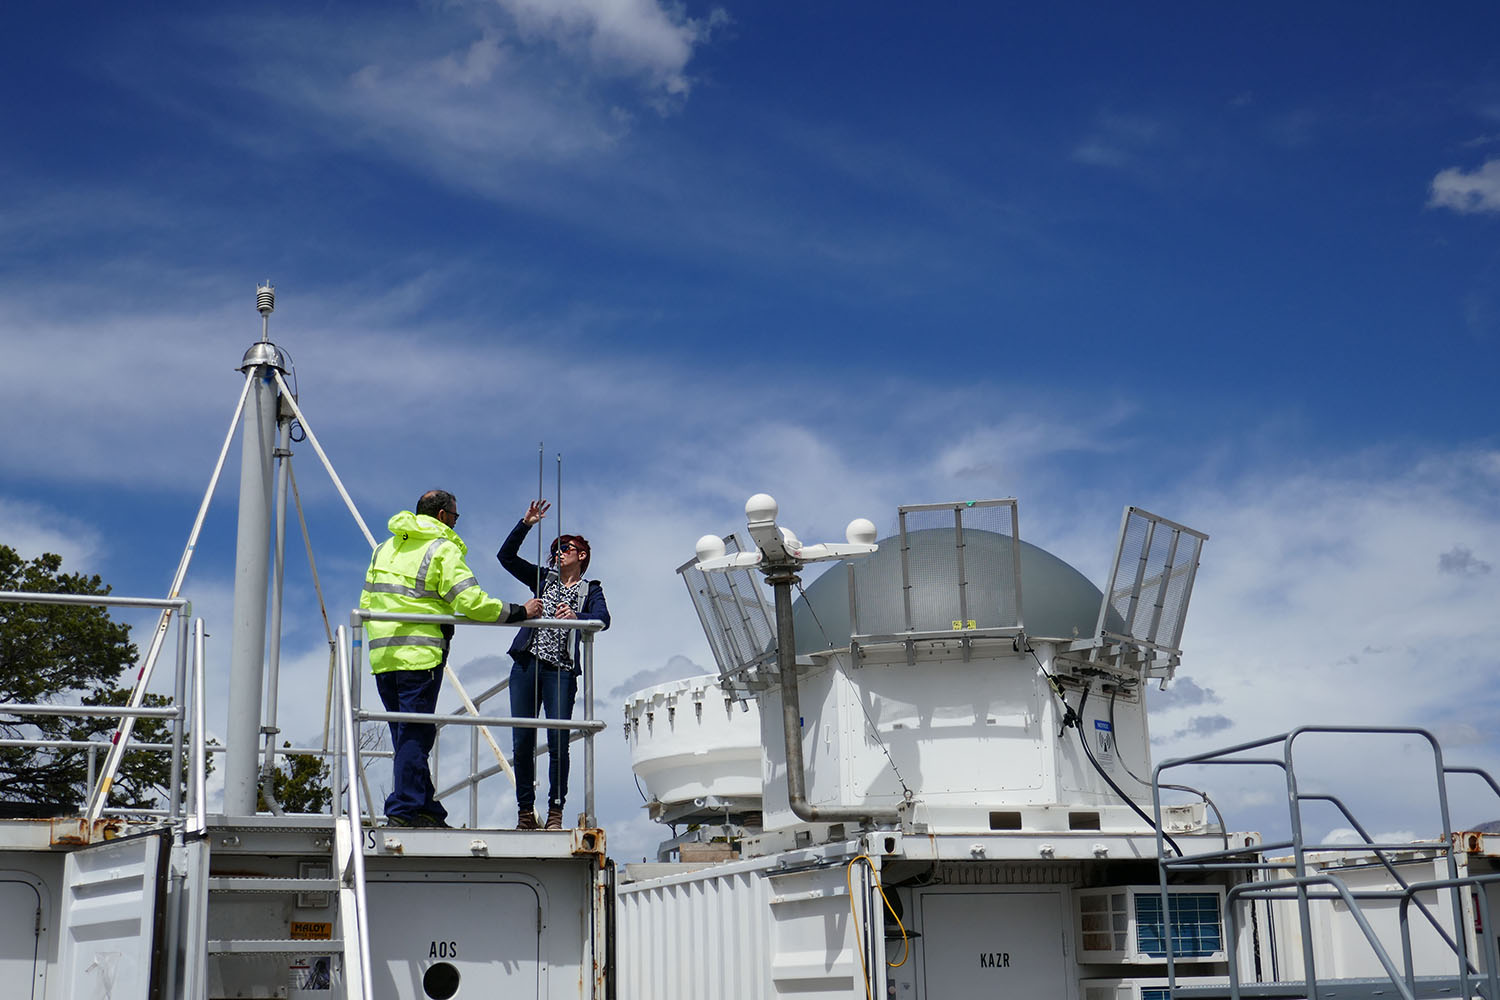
(1119, 140)
(630, 37)
(676, 668)
(1320, 601)
(33, 527)
(1460, 561)
(1467, 191)
(483, 95)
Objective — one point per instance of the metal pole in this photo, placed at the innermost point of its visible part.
(539, 466)
(179, 689)
(356, 871)
(473, 782)
(1299, 859)
(588, 736)
(312, 439)
(781, 581)
(252, 570)
(200, 738)
(278, 585)
(356, 645)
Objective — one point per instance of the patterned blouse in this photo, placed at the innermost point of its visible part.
(555, 644)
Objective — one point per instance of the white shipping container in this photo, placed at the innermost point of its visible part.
(777, 927)
(1340, 948)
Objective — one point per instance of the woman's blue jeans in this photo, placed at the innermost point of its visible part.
(535, 688)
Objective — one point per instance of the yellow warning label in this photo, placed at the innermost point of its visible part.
(959, 626)
(311, 930)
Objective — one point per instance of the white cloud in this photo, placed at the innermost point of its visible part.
(493, 96)
(1468, 191)
(1321, 600)
(1119, 140)
(630, 36)
(32, 528)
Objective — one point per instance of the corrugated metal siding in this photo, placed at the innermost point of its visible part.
(706, 937)
(747, 931)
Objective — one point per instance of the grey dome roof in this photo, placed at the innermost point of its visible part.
(1057, 601)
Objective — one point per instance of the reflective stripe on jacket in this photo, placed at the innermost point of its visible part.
(421, 570)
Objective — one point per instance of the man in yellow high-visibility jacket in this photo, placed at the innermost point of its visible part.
(420, 569)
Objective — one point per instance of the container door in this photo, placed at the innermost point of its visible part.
(435, 940)
(109, 947)
(825, 944)
(994, 944)
(24, 929)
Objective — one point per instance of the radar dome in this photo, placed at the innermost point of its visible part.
(1057, 601)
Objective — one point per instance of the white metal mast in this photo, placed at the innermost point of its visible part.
(252, 567)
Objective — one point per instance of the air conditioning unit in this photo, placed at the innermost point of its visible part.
(1124, 924)
(1153, 988)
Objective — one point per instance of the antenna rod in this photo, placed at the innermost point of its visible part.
(539, 532)
(559, 498)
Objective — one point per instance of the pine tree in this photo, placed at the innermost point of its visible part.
(300, 784)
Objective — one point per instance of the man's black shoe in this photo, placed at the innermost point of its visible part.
(428, 819)
(399, 821)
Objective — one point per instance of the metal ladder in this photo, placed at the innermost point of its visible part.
(1306, 886)
(336, 848)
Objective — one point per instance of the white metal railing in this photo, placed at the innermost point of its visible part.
(349, 835)
(588, 726)
(1308, 883)
(100, 784)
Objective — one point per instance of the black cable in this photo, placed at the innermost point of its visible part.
(1075, 719)
(1223, 827)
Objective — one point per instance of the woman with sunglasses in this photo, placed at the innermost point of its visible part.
(545, 674)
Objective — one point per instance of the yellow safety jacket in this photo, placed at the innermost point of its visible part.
(420, 569)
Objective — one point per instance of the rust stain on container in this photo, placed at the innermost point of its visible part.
(79, 831)
(1471, 841)
(588, 842)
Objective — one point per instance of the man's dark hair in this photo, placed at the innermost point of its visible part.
(435, 500)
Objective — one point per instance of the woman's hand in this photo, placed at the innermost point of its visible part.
(536, 511)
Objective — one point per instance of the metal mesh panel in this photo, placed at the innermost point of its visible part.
(1153, 577)
(958, 572)
(734, 611)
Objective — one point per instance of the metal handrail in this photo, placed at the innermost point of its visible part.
(88, 711)
(1492, 956)
(1300, 883)
(1297, 887)
(126, 715)
(513, 721)
(200, 726)
(575, 624)
(93, 600)
(349, 737)
(588, 726)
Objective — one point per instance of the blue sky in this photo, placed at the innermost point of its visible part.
(1238, 266)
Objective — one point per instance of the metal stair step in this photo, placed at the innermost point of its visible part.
(280, 946)
(258, 883)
